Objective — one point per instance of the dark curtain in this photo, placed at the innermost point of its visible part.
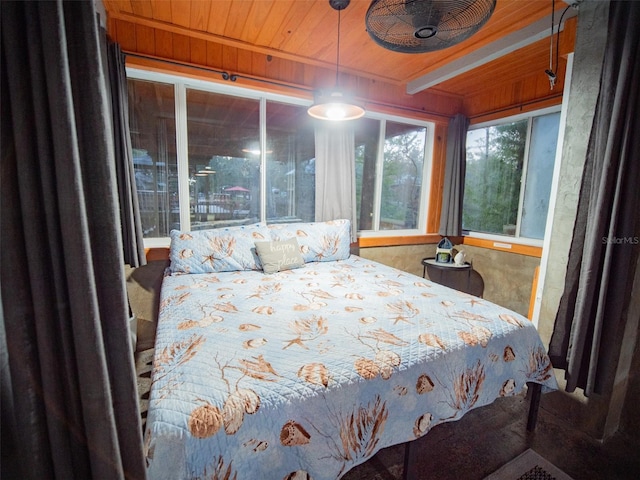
(132, 238)
(590, 320)
(67, 362)
(456, 163)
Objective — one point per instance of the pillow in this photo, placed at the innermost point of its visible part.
(279, 255)
(319, 241)
(218, 250)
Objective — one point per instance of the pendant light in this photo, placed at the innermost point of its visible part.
(335, 104)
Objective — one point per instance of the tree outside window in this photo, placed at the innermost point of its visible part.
(508, 176)
(397, 172)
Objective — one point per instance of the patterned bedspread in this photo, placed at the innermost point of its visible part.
(308, 372)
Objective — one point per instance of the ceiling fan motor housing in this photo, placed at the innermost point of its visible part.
(339, 4)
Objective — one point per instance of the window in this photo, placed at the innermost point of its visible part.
(218, 181)
(290, 172)
(508, 177)
(209, 156)
(390, 175)
(223, 136)
(153, 138)
(225, 161)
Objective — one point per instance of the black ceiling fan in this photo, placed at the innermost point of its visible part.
(418, 26)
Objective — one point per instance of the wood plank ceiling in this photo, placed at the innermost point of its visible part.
(305, 31)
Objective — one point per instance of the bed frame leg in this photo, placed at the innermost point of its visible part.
(535, 390)
(408, 471)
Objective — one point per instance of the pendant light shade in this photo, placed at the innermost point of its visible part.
(335, 105)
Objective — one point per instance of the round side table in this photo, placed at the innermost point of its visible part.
(459, 277)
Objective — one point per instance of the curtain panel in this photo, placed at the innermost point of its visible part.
(336, 174)
(131, 225)
(67, 365)
(590, 321)
(455, 169)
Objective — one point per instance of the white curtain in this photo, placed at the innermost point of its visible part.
(335, 174)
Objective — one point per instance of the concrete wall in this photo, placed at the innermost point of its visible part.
(508, 277)
(143, 290)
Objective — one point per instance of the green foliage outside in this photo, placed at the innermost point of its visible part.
(402, 178)
(403, 160)
(492, 182)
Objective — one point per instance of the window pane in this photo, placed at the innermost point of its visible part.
(153, 139)
(366, 136)
(224, 159)
(223, 173)
(542, 152)
(290, 172)
(492, 183)
(402, 176)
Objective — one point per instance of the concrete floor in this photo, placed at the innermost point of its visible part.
(488, 437)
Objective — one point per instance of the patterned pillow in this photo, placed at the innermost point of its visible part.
(219, 250)
(279, 255)
(319, 241)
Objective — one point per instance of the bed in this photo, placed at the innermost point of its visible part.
(279, 355)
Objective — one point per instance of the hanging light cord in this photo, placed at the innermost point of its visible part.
(338, 52)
